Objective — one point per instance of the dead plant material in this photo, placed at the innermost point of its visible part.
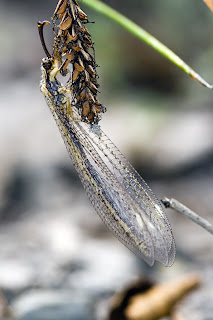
(146, 301)
(75, 49)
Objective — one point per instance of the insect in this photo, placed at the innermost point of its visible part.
(120, 196)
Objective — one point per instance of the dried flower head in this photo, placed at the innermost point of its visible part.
(75, 50)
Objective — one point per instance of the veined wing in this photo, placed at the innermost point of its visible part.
(120, 196)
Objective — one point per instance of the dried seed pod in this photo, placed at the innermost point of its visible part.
(83, 93)
(75, 75)
(85, 109)
(93, 88)
(76, 47)
(96, 109)
(87, 40)
(79, 23)
(71, 38)
(66, 22)
(82, 15)
(70, 56)
(64, 34)
(78, 67)
(81, 62)
(90, 96)
(73, 30)
(91, 70)
(85, 55)
(61, 7)
(83, 29)
(64, 50)
(98, 103)
(91, 116)
(73, 9)
(87, 77)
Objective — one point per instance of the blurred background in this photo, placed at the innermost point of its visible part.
(57, 259)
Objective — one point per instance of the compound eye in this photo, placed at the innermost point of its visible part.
(47, 64)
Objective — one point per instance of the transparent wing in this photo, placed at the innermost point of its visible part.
(120, 196)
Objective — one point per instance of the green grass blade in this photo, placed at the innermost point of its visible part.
(145, 37)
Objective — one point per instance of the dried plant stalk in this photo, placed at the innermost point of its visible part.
(75, 50)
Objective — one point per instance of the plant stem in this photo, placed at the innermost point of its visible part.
(145, 37)
(179, 207)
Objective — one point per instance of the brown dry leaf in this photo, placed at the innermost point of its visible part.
(151, 302)
(209, 4)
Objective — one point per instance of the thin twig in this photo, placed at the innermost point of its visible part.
(145, 37)
(179, 207)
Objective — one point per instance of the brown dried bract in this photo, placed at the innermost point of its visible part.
(66, 23)
(70, 38)
(81, 14)
(74, 45)
(61, 7)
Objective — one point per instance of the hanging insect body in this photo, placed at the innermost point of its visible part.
(120, 196)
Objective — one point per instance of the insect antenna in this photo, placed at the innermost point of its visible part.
(41, 35)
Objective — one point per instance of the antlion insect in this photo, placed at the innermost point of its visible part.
(120, 196)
